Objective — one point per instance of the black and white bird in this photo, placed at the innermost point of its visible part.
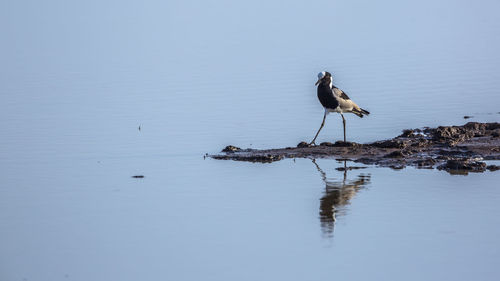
(334, 99)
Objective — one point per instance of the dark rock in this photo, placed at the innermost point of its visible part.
(442, 157)
(495, 134)
(407, 134)
(265, 158)
(231, 148)
(340, 144)
(303, 144)
(474, 126)
(467, 117)
(427, 162)
(493, 167)
(346, 144)
(491, 157)
(450, 134)
(395, 154)
(138, 176)
(394, 143)
(420, 143)
(408, 152)
(454, 152)
(463, 164)
(492, 126)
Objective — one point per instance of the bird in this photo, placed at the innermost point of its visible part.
(334, 99)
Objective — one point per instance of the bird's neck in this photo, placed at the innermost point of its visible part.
(325, 86)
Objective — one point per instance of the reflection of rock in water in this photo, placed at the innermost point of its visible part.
(337, 196)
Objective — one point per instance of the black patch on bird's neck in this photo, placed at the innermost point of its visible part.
(324, 82)
(325, 95)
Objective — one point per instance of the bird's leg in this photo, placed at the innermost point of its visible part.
(322, 124)
(343, 122)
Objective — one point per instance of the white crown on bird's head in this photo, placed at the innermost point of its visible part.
(324, 74)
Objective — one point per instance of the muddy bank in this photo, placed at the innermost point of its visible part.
(456, 149)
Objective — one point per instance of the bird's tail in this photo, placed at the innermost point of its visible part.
(366, 112)
(359, 112)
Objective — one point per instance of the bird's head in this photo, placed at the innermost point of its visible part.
(324, 77)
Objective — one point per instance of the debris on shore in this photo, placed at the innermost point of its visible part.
(456, 149)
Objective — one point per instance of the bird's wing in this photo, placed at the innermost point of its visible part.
(345, 103)
(339, 93)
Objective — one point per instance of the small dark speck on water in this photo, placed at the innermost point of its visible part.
(139, 127)
(467, 117)
(138, 176)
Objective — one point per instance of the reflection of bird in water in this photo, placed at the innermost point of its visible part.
(337, 195)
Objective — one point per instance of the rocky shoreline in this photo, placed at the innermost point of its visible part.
(456, 149)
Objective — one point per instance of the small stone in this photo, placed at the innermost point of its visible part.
(345, 144)
(407, 134)
(303, 144)
(390, 144)
(463, 164)
(493, 168)
(467, 117)
(231, 148)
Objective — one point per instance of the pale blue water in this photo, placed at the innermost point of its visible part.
(78, 79)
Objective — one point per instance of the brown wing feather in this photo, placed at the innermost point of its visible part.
(341, 93)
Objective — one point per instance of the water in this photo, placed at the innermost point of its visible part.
(78, 79)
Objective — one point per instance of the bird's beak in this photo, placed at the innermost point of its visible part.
(317, 82)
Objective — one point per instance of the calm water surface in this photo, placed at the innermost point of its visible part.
(78, 79)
